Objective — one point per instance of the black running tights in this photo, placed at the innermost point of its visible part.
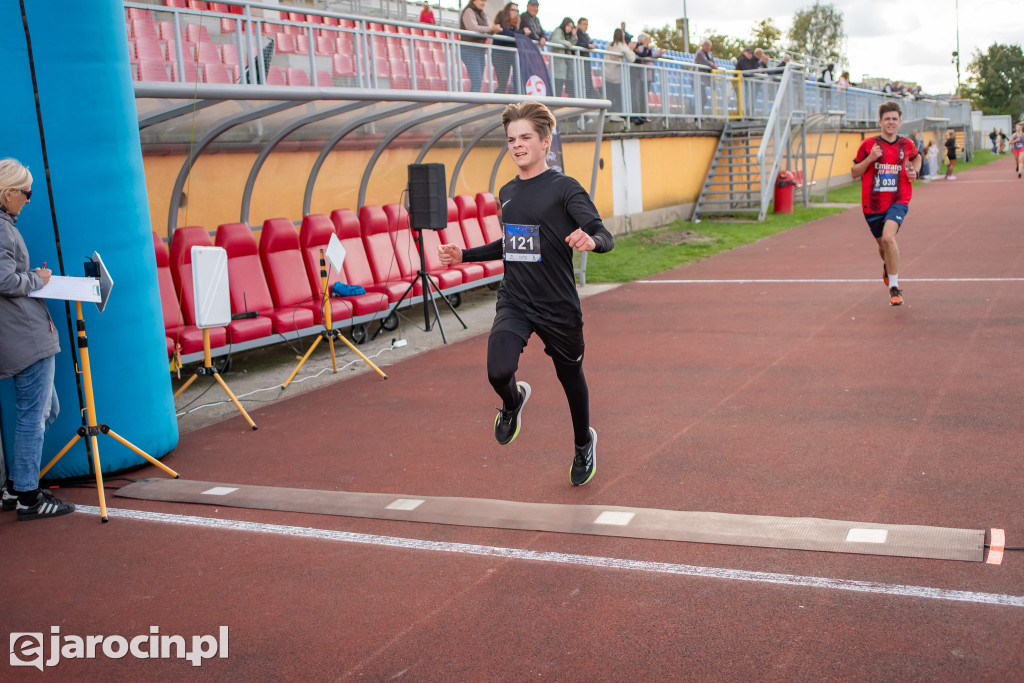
(503, 351)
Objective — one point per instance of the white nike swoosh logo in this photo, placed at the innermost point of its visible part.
(505, 202)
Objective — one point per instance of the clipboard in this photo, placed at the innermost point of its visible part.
(70, 289)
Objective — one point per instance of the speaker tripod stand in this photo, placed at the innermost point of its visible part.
(92, 427)
(208, 368)
(430, 291)
(328, 333)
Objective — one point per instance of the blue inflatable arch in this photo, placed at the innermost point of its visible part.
(92, 169)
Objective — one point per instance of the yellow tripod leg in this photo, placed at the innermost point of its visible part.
(234, 400)
(185, 386)
(60, 455)
(303, 360)
(143, 453)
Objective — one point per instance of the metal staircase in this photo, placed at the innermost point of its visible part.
(750, 153)
(733, 185)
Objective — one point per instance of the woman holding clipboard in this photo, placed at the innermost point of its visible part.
(28, 344)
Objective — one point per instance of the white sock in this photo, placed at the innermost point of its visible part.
(894, 280)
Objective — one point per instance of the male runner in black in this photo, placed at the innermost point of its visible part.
(545, 216)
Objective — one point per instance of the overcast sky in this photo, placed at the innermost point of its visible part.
(902, 40)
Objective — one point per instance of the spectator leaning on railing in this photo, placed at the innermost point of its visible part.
(562, 41)
(531, 24)
(507, 21)
(747, 61)
(613, 69)
(473, 55)
(703, 56)
(585, 44)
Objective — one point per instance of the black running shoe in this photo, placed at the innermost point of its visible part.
(895, 296)
(10, 500)
(584, 464)
(46, 505)
(506, 424)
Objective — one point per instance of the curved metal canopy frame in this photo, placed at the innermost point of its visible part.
(168, 102)
(226, 124)
(307, 199)
(299, 122)
(382, 145)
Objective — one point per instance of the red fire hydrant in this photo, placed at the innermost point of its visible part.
(784, 186)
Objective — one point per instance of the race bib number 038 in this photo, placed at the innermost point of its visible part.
(885, 182)
(522, 243)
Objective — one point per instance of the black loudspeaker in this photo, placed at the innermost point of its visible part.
(428, 199)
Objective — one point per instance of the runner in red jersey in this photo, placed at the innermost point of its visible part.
(887, 165)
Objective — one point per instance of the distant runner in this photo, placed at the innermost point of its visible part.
(887, 164)
(1017, 145)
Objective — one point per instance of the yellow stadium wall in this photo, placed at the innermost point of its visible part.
(672, 174)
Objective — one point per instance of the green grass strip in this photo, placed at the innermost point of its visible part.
(646, 252)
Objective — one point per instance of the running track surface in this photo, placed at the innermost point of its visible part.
(799, 392)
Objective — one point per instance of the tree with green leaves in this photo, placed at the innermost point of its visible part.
(666, 38)
(997, 79)
(766, 35)
(818, 32)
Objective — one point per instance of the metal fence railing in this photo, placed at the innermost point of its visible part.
(379, 44)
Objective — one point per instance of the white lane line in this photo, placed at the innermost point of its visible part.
(563, 558)
(826, 281)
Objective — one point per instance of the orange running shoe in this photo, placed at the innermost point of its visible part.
(885, 274)
(895, 296)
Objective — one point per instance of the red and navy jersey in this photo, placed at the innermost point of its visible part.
(885, 182)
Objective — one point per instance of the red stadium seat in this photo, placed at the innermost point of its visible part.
(357, 263)
(182, 242)
(178, 333)
(472, 233)
(487, 214)
(276, 76)
(297, 76)
(380, 248)
(197, 33)
(248, 285)
(324, 79)
(407, 251)
(313, 238)
(284, 269)
(206, 52)
(153, 71)
(284, 43)
(326, 45)
(217, 73)
(343, 65)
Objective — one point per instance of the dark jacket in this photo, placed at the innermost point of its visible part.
(744, 63)
(27, 333)
(527, 20)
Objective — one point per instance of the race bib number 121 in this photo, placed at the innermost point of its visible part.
(522, 243)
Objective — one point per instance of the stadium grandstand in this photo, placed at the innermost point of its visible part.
(266, 127)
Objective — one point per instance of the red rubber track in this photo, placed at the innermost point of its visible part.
(804, 399)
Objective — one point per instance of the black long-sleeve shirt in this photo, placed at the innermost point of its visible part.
(545, 289)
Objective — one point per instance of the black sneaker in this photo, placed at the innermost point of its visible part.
(506, 424)
(10, 500)
(585, 463)
(46, 505)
